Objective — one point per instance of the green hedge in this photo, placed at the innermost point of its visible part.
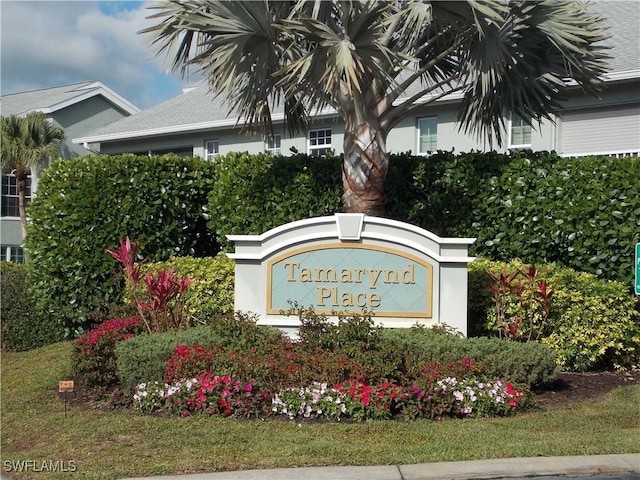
(254, 193)
(85, 205)
(526, 363)
(592, 322)
(580, 212)
(23, 325)
(441, 193)
(211, 291)
(144, 357)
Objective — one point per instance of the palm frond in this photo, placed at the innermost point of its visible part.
(524, 63)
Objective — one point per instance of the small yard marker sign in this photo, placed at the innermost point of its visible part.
(637, 264)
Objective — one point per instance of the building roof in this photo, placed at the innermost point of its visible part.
(196, 109)
(50, 100)
(623, 19)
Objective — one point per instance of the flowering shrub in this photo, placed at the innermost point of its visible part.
(188, 361)
(94, 352)
(204, 394)
(272, 363)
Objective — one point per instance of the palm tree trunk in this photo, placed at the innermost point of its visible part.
(364, 169)
(21, 179)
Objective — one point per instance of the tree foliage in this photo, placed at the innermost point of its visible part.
(28, 143)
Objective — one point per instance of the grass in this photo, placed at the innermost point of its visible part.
(109, 445)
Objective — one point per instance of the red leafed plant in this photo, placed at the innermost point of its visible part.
(522, 305)
(161, 304)
(94, 352)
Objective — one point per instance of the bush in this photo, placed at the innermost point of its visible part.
(212, 284)
(355, 337)
(286, 188)
(23, 325)
(144, 358)
(583, 213)
(523, 363)
(441, 193)
(591, 323)
(94, 352)
(580, 212)
(85, 205)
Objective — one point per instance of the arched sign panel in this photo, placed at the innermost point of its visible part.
(349, 263)
(332, 277)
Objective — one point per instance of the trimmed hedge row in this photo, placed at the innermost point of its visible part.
(581, 212)
(530, 363)
(144, 358)
(254, 193)
(23, 325)
(85, 205)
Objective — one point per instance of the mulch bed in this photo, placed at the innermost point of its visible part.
(571, 388)
(568, 388)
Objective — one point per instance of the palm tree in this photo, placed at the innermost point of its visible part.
(27, 143)
(375, 62)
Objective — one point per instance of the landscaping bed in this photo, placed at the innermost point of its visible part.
(568, 388)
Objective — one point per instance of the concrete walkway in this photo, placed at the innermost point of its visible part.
(626, 466)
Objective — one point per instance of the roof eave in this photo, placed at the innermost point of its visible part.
(94, 89)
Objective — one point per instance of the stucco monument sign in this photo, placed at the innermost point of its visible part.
(348, 263)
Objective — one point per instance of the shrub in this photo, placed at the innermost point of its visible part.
(583, 213)
(144, 357)
(160, 303)
(85, 205)
(591, 322)
(23, 325)
(286, 188)
(442, 192)
(212, 284)
(94, 352)
(353, 336)
(529, 363)
(270, 364)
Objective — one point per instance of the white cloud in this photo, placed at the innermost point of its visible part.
(48, 43)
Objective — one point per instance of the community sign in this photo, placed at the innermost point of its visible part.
(352, 263)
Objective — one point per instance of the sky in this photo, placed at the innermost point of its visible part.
(53, 42)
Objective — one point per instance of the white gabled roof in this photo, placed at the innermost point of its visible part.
(50, 100)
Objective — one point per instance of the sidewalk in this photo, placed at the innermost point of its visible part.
(469, 470)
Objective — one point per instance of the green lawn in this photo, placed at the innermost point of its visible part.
(108, 445)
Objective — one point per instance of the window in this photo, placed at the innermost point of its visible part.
(427, 135)
(212, 149)
(273, 144)
(10, 195)
(520, 132)
(12, 253)
(319, 142)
